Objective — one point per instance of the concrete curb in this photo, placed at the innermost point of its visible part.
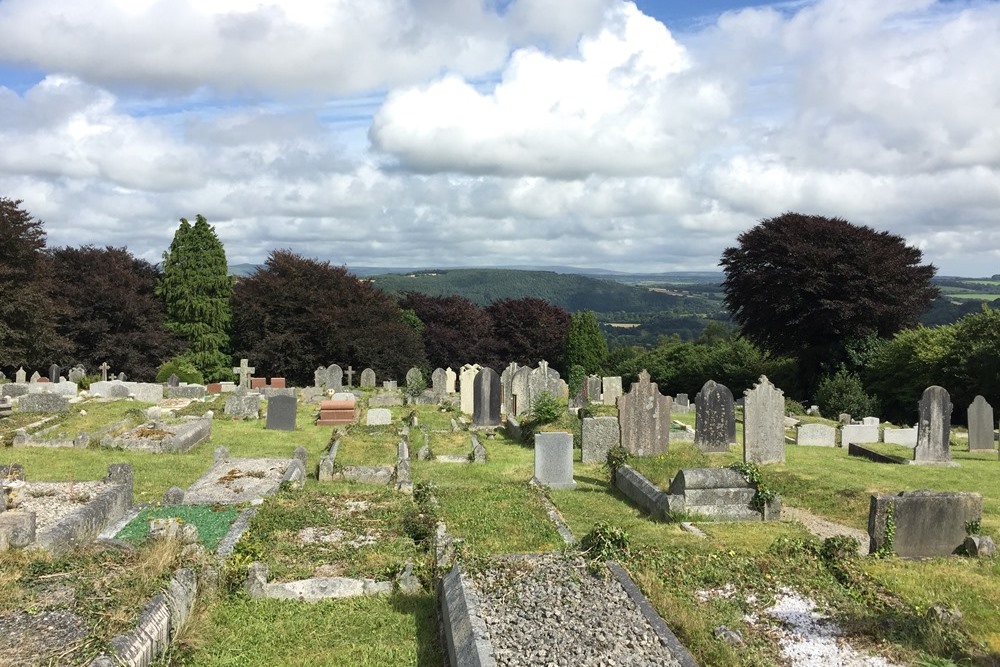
(86, 524)
(466, 637)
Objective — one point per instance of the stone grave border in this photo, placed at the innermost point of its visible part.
(398, 474)
(188, 433)
(82, 439)
(863, 452)
(315, 589)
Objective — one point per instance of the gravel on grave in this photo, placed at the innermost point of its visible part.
(549, 610)
(52, 501)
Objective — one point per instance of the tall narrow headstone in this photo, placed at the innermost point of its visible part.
(934, 427)
(592, 387)
(319, 377)
(466, 379)
(55, 373)
(439, 381)
(367, 378)
(486, 398)
(980, 425)
(334, 377)
(715, 418)
(506, 388)
(611, 389)
(350, 376)
(764, 423)
(173, 380)
(520, 396)
(644, 418)
(20, 376)
(452, 379)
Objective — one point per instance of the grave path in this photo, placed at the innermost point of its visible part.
(824, 528)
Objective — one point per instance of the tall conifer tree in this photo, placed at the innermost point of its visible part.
(585, 344)
(196, 288)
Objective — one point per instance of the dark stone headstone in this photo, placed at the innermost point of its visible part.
(55, 373)
(486, 397)
(926, 523)
(281, 411)
(715, 418)
(644, 417)
(934, 427)
(173, 381)
(980, 425)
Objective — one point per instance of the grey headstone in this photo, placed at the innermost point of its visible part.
(55, 373)
(592, 387)
(844, 419)
(934, 427)
(122, 377)
(870, 421)
(816, 435)
(506, 386)
(682, 401)
(117, 390)
(378, 417)
(599, 434)
(859, 434)
(764, 423)
(173, 496)
(281, 412)
(715, 418)
(926, 523)
(452, 378)
(44, 403)
(77, 373)
(486, 398)
(334, 377)
(187, 391)
(319, 377)
(173, 380)
(554, 460)
(900, 436)
(390, 385)
(20, 376)
(520, 397)
(611, 389)
(414, 378)
(644, 418)
(980, 425)
(146, 392)
(367, 378)
(35, 377)
(241, 405)
(439, 383)
(301, 454)
(545, 380)
(220, 454)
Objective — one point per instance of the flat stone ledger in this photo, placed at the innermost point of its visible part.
(644, 418)
(487, 396)
(719, 493)
(599, 434)
(925, 523)
(43, 403)
(193, 391)
(934, 427)
(281, 413)
(378, 417)
(715, 418)
(815, 435)
(233, 481)
(764, 424)
(554, 460)
(981, 436)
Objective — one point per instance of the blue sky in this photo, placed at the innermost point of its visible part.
(593, 133)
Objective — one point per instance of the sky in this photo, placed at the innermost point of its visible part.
(590, 133)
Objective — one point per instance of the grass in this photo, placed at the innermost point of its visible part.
(369, 446)
(213, 523)
(449, 444)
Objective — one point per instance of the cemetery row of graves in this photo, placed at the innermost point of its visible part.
(489, 518)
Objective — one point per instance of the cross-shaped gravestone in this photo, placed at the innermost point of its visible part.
(104, 371)
(244, 371)
(350, 375)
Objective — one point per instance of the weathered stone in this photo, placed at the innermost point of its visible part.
(367, 378)
(193, 391)
(173, 496)
(414, 378)
(244, 371)
(858, 433)
(243, 406)
(981, 436)
(900, 436)
(815, 435)
(439, 382)
(592, 389)
(599, 434)
(715, 418)
(334, 378)
(387, 399)
(611, 389)
(378, 417)
(451, 379)
(554, 460)
(77, 374)
(281, 413)
(934, 427)
(980, 546)
(506, 388)
(545, 380)
(924, 523)
(486, 398)
(467, 379)
(642, 492)
(21, 377)
(644, 418)
(520, 396)
(43, 403)
(764, 424)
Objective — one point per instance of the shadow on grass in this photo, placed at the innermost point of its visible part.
(423, 609)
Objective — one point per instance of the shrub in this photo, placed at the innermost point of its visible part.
(546, 408)
(182, 368)
(843, 392)
(605, 542)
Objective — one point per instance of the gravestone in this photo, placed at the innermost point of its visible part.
(506, 388)
(281, 412)
(923, 524)
(599, 434)
(389, 385)
(815, 435)
(439, 381)
(414, 378)
(242, 405)
(122, 377)
(715, 418)
(367, 378)
(244, 371)
(35, 377)
(467, 377)
(452, 378)
(644, 418)
(45, 403)
(20, 376)
(520, 398)
(763, 424)
(592, 389)
(545, 380)
(870, 421)
(554, 460)
(859, 434)
(378, 417)
(486, 398)
(334, 377)
(319, 377)
(104, 368)
(173, 380)
(350, 376)
(682, 403)
(611, 389)
(77, 373)
(55, 373)
(934, 427)
(980, 425)
(900, 436)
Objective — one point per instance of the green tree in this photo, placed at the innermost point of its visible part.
(812, 287)
(585, 344)
(843, 392)
(196, 289)
(899, 371)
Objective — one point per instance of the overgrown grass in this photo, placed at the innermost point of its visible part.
(212, 522)
(369, 446)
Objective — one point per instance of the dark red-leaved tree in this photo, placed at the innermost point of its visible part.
(294, 314)
(813, 287)
(454, 328)
(109, 312)
(526, 331)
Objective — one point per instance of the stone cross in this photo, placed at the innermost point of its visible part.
(104, 371)
(244, 371)
(350, 376)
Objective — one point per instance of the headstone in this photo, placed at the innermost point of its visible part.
(599, 434)
(520, 396)
(244, 371)
(681, 403)
(378, 417)
(319, 377)
(452, 379)
(77, 374)
(281, 411)
(466, 379)
(389, 385)
(554, 460)
(35, 377)
(486, 398)
(900, 436)
(55, 373)
(334, 377)
(981, 422)
(367, 378)
(924, 523)
(611, 389)
(104, 371)
(546, 380)
(644, 418)
(715, 418)
(815, 435)
(859, 434)
(870, 421)
(122, 377)
(439, 383)
(844, 419)
(20, 376)
(593, 389)
(242, 405)
(934, 427)
(414, 378)
(506, 387)
(173, 380)
(350, 376)
(764, 424)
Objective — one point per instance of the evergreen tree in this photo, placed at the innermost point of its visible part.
(196, 289)
(585, 344)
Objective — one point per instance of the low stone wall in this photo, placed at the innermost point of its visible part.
(642, 492)
(159, 622)
(86, 524)
(180, 437)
